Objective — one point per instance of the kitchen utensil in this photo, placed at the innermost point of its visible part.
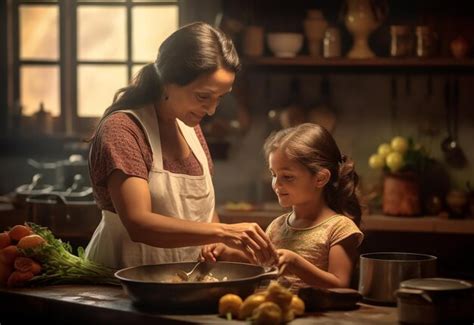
(393, 105)
(453, 153)
(293, 114)
(435, 300)
(430, 124)
(381, 273)
(324, 114)
(185, 276)
(148, 286)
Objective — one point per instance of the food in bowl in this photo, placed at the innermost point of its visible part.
(285, 45)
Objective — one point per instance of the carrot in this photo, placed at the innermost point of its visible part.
(19, 231)
(25, 264)
(5, 271)
(18, 278)
(8, 254)
(4, 240)
(35, 268)
(22, 264)
(31, 241)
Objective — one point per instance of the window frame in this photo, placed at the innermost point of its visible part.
(68, 123)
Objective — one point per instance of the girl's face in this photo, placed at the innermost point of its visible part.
(292, 182)
(190, 103)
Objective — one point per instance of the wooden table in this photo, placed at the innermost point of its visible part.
(91, 304)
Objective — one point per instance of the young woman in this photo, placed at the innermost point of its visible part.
(150, 165)
(317, 242)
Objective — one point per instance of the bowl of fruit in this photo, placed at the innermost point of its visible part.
(402, 162)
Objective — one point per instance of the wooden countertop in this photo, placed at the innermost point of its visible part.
(369, 223)
(109, 304)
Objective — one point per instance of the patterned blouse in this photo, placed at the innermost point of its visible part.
(312, 243)
(122, 144)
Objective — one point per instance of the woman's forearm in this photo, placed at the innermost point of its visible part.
(167, 232)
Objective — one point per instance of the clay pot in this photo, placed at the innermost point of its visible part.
(401, 194)
(457, 203)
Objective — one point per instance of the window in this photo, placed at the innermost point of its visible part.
(73, 55)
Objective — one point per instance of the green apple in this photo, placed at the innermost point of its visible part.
(394, 161)
(376, 161)
(399, 144)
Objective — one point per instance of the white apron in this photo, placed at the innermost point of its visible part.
(175, 195)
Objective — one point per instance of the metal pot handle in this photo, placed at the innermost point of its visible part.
(49, 196)
(407, 293)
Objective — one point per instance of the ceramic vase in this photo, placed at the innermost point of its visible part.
(361, 19)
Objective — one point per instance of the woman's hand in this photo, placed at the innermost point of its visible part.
(252, 241)
(212, 252)
(287, 261)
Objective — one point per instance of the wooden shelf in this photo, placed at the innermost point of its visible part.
(424, 224)
(436, 64)
(417, 224)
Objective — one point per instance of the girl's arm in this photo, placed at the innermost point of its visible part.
(341, 262)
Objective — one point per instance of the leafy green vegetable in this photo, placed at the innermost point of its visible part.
(61, 266)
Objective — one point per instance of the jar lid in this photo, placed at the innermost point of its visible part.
(436, 284)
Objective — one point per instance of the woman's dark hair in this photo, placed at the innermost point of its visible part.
(315, 148)
(191, 51)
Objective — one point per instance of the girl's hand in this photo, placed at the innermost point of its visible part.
(251, 240)
(287, 261)
(212, 252)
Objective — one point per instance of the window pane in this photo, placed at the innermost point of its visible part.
(158, 1)
(97, 86)
(38, 1)
(136, 68)
(146, 40)
(39, 84)
(101, 1)
(39, 32)
(101, 33)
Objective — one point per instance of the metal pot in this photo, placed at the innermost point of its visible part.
(381, 273)
(24, 191)
(61, 172)
(150, 287)
(435, 300)
(72, 216)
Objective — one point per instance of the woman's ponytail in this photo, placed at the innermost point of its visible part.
(145, 88)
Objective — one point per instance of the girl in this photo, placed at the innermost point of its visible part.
(317, 242)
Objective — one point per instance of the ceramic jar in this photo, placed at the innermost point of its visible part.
(314, 26)
(426, 41)
(253, 41)
(332, 43)
(401, 44)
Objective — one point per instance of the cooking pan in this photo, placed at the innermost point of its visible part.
(149, 286)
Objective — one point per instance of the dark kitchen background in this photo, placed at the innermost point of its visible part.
(61, 62)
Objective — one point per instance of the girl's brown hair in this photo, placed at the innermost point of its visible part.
(315, 148)
(191, 51)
